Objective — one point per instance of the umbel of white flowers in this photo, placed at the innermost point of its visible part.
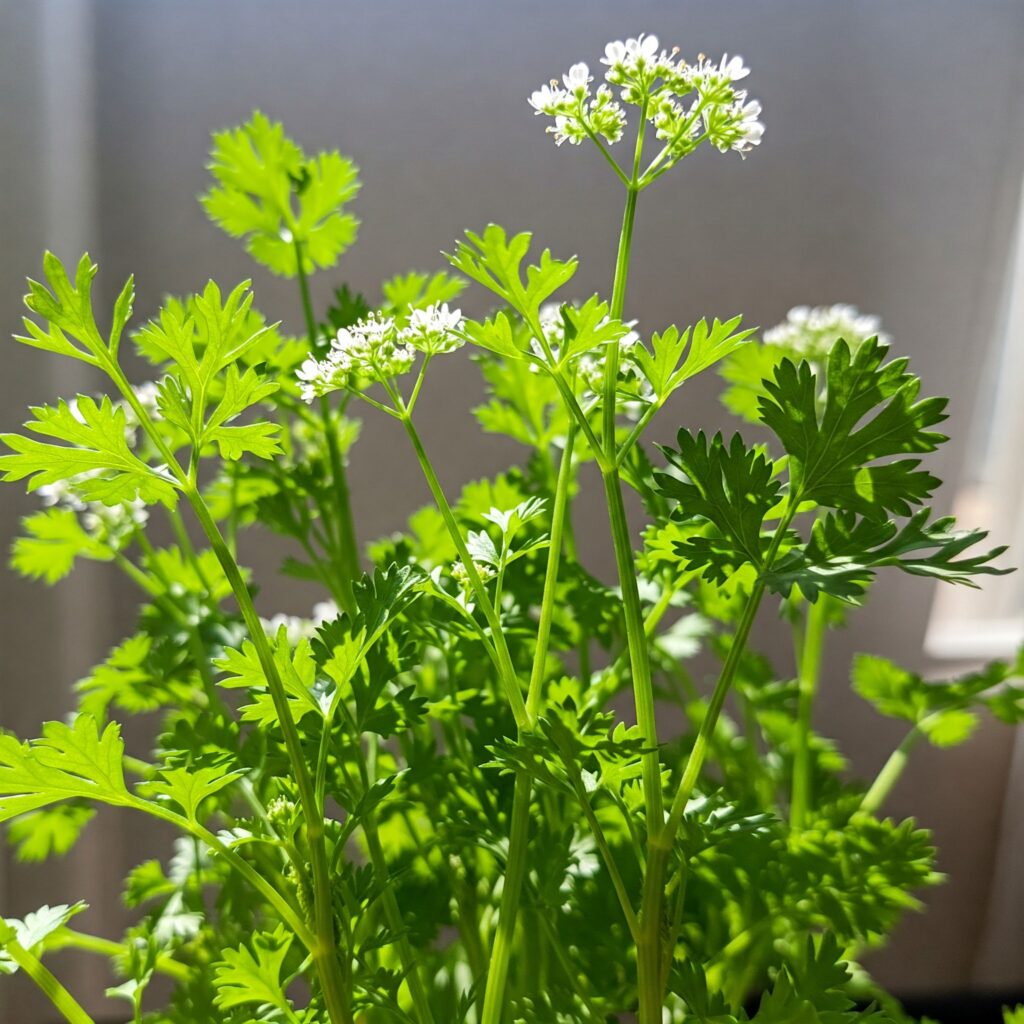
(812, 331)
(687, 103)
(377, 349)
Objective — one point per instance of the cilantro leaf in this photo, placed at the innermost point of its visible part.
(48, 832)
(53, 539)
(67, 308)
(845, 551)
(253, 976)
(95, 447)
(702, 346)
(280, 201)
(870, 412)
(495, 261)
(68, 761)
(730, 487)
(946, 713)
(189, 789)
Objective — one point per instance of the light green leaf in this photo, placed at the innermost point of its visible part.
(68, 761)
(48, 832)
(246, 977)
(67, 308)
(297, 668)
(32, 931)
(703, 347)
(495, 261)
(269, 193)
(189, 788)
(414, 290)
(94, 444)
(588, 328)
(53, 539)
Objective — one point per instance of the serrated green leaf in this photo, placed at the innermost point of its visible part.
(246, 977)
(48, 832)
(95, 449)
(870, 412)
(845, 551)
(495, 261)
(733, 489)
(280, 201)
(53, 539)
(702, 345)
(189, 788)
(68, 761)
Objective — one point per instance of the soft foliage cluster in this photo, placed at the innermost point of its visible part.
(424, 802)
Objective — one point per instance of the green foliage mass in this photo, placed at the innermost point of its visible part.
(421, 801)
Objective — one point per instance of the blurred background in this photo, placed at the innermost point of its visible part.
(889, 177)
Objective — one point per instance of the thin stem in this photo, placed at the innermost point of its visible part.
(639, 654)
(515, 873)
(69, 938)
(63, 1001)
(892, 770)
(547, 607)
(346, 524)
(809, 673)
(650, 958)
(617, 305)
(325, 952)
(509, 678)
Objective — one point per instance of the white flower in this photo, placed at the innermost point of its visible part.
(577, 79)
(371, 349)
(733, 68)
(297, 627)
(548, 99)
(748, 128)
(656, 81)
(433, 330)
(812, 332)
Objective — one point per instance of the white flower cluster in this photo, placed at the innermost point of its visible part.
(812, 331)
(577, 113)
(687, 103)
(299, 628)
(376, 348)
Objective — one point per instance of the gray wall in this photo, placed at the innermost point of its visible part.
(887, 178)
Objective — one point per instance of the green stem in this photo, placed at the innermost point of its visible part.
(891, 771)
(639, 654)
(501, 953)
(809, 673)
(325, 953)
(650, 957)
(69, 938)
(515, 873)
(393, 916)
(63, 1001)
(615, 312)
(547, 608)
(509, 678)
(349, 552)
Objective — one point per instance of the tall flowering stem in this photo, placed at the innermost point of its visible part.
(661, 87)
(348, 567)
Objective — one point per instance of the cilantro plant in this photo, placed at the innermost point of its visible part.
(426, 801)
